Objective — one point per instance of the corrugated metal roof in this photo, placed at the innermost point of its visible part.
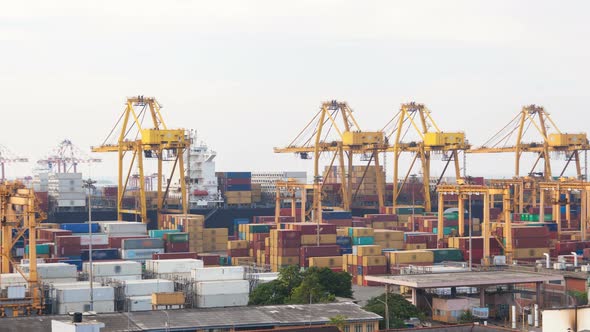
(251, 316)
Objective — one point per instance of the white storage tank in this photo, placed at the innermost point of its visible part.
(218, 273)
(223, 287)
(148, 286)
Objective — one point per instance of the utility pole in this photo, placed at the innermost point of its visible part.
(89, 184)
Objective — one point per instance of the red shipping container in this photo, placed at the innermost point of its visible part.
(374, 270)
(176, 247)
(382, 217)
(257, 245)
(260, 236)
(267, 251)
(67, 245)
(340, 222)
(565, 248)
(175, 255)
(209, 259)
(288, 251)
(531, 242)
(317, 251)
(336, 269)
(312, 228)
(115, 242)
(528, 231)
(587, 253)
(238, 252)
(50, 233)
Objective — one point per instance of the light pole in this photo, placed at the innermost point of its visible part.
(386, 311)
(89, 184)
(470, 229)
(167, 321)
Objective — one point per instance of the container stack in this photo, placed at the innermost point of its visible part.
(529, 243)
(77, 299)
(361, 235)
(141, 249)
(400, 259)
(238, 248)
(256, 192)
(365, 260)
(193, 224)
(214, 239)
(221, 286)
(120, 270)
(389, 239)
(138, 293)
(338, 218)
(236, 187)
(383, 221)
(284, 248)
(172, 268)
(419, 240)
(477, 244)
(446, 255)
(54, 272)
(176, 242)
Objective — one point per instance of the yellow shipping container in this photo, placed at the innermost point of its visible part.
(176, 298)
(288, 260)
(237, 244)
(391, 244)
(379, 260)
(327, 238)
(368, 250)
(362, 231)
(415, 246)
(214, 232)
(410, 256)
(524, 253)
(342, 231)
(309, 240)
(242, 260)
(332, 261)
(385, 234)
(352, 259)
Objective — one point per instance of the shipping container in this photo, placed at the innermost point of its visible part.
(222, 300)
(120, 268)
(150, 243)
(148, 287)
(223, 287)
(218, 273)
(169, 266)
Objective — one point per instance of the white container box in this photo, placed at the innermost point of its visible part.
(60, 326)
(223, 287)
(53, 270)
(15, 292)
(167, 266)
(148, 286)
(140, 254)
(123, 227)
(117, 278)
(75, 294)
(71, 285)
(12, 279)
(217, 301)
(99, 307)
(58, 280)
(139, 303)
(97, 239)
(120, 268)
(218, 273)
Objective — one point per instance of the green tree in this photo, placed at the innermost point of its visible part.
(312, 290)
(466, 317)
(337, 283)
(269, 293)
(399, 310)
(291, 277)
(339, 321)
(580, 297)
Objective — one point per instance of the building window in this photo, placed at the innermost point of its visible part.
(370, 327)
(358, 328)
(346, 328)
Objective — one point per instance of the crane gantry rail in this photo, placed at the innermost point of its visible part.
(552, 140)
(157, 142)
(334, 130)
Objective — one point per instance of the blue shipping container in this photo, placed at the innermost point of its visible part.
(344, 241)
(238, 175)
(239, 187)
(76, 262)
(345, 251)
(100, 254)
(332, 215)
(80, 227)
(363, 240)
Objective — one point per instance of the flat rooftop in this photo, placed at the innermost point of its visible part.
(464, 279)
(253, 317)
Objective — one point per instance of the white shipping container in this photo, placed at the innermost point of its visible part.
(224, 300)
(12, 279)
(71, 285)
(123, 227)
(75, 294)
(97, 239)
(53, 270)
(117, 278)
(15, 292)
(148, 286)
(218, 273)
(98, 306)
(166, 266)
(70, 195)
(140, 254)
(139, 303)
(223, 287)
(70, 202)
(58, 280)
(120, 268)
(173, 276)
(67, 326)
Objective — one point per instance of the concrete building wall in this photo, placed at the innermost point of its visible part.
(564, 319)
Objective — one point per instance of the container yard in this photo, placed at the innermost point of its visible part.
(235, 167)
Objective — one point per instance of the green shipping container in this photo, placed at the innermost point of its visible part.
(159, 233)
(447, 230)
(42, 249)
(449, 255)
(259, 228)
(408, 210)
(363, 240)
(176, 237)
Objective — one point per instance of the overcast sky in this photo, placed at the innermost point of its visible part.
(248, 75)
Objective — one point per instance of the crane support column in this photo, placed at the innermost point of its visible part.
(461, 208)
(441, 222)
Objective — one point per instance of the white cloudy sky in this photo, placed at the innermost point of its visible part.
(249, 74)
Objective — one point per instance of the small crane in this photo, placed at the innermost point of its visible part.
(7, 157)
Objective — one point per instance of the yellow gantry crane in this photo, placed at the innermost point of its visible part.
(154, 141)
(416, 117)
(552, 140)
(18, 220)
(334, 130)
